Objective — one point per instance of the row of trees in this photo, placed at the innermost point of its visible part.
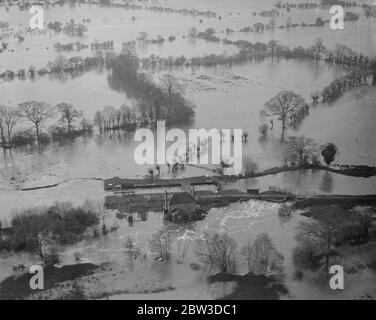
(163, 103)
(219, 252)
(302, 151)
(111, 118)
(249, 51)
(335, 89)
(62, 64)
(37, 113)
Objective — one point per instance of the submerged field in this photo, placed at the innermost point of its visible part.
(228, 96)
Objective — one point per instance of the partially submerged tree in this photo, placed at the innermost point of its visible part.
(218, 251)
(272, 47)
(192, 32)
(250, 167)
(283, 105)
(30, 232)
(300, 149)
(317, 238)
(329, 152)
(318, 48)
(109, 113)
(171, 84)
(365, 217)
(160, 245)
(68, 114)
(182, 245)
(262, 257)
(36, 112)
(143, 38)
(99, 120)
(8, 119)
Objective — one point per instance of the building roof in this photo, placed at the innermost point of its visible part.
(181, 198)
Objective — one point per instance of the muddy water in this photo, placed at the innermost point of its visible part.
(225, 97)
(220, 94)
(116, 24)
(242, 221)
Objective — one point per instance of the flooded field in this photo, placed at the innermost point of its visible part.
(227, 96)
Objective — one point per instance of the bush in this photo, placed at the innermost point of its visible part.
(285, 209)
(23, 138)
(263, 129)
(250, 167)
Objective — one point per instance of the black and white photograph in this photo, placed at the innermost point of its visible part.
(201, 151)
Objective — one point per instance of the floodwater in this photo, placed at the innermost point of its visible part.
(241, 221)
(225, 97)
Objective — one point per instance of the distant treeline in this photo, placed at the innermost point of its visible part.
(249, 51)
(36, 113)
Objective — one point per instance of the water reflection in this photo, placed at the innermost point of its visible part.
(326, 183)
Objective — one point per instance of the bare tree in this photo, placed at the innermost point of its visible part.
(262, 257)
(301, 149)
(369, 12)
(2, 128)
(8, 119)
(317, 237)
(60, 62)
(181, 245)
(365, 217)
(318, 47)
(143, 38)
(272, 47)
(68, 114)
(36, 112)
(192, 32)
(250, 167)
(99, 120)
(110, 116)
(171, 84)
(160, 245)
(218, 251)
(283, 105)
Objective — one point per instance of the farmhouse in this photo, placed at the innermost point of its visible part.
(181, 206)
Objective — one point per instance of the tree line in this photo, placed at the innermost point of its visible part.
(156, 102)
(37, 113)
